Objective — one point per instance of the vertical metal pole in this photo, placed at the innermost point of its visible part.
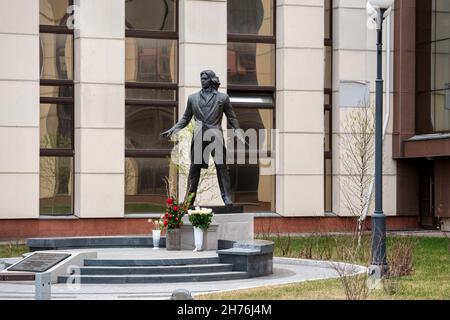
(378, 218)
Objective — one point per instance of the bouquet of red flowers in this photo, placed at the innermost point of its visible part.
(172, 218)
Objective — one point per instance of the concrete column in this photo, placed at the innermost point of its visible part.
(354, 59)
(300, 115)
(19, 109)
(100, 108)
(202, 45)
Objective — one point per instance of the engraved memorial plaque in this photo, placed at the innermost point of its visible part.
(39, 262)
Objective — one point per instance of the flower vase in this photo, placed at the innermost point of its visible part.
(173, 239)
(156, 236)
(198, 239)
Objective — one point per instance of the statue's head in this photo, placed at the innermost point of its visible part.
(208, 78)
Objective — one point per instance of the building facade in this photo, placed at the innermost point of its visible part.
(87, 86)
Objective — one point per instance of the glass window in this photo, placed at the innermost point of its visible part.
(328, 67)
(258, 119)
(150, 94)
(328, 185)
(56, 125)
(145, 190)
(252, 189)
(154, 15)
(442, 61)
(328, 26)
(254, 17)
(56, 56)
(327, 127)
(56, 91)
(441, 20)
(251, 64)
(53, 12)
(432, 66)
(56, 186)
(143, 126)
(151, 60)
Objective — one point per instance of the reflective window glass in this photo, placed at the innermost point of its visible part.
(151, 60)
(251, 64)
(56, 125)
(328, 186)
(55, 186)
(253, 17)
(145, 190)
(53, 12)
(56, 91)
(150, 15)
(252, 188)
(56, 56)
(150, 94)
(143, 126)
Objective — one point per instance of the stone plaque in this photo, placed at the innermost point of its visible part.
(39, 262)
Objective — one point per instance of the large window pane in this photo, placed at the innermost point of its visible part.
(253, 17)
(151, 60)
(55, 186)
(328, 68)
(53, 12)
(327, 126)
(150, 94)
(442, 60)
(252, 189)
(56, 56)
(441, 19)
(150, 15)
(56, 125)
(143, 126)
(145, 190)
(56, 91)
(251, 64)
(257, 119)
(328, 185)
(328, 14)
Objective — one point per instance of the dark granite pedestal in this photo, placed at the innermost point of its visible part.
(222, 209)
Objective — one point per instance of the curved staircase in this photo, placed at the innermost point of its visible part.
(121, 271)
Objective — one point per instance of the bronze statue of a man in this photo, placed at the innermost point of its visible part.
(208, 106)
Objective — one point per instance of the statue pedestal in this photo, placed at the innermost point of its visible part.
(225, 226)
(223, 209)
(209, 238)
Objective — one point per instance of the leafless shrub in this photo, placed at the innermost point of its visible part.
(400, 258)
(354, 283)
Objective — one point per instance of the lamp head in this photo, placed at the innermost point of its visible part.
(381, 4)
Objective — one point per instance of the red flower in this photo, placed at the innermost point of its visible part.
(170, 216)
(166, 223)
(176, 219)
(175, 208)
(169, 201)
(166, 215)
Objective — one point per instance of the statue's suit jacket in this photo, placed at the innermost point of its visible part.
(208, 115)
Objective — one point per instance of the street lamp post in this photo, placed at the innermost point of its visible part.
(378, 10)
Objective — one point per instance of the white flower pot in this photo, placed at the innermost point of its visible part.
(156, 236)
(198, 239)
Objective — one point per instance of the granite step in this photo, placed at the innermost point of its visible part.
(151, 270)
(166, 278)
(149, 262)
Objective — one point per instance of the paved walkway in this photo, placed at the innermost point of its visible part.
(285, 271)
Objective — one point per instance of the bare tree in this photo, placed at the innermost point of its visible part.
(357, 157)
